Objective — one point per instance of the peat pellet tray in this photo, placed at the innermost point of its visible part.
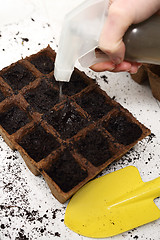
(68, 140)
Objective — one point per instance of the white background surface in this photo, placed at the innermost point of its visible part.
(27, 208)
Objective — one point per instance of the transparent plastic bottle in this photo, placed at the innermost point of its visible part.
(80, 36)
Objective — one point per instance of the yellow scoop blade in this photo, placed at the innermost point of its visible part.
(112, 204)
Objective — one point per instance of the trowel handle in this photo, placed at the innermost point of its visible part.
(142, 42)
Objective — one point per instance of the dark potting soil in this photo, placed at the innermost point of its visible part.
(53, 81)
(42, 98)
(66, 121)
(13, 119)
(94, 147)
(66, 172)
(39, 144)
(122, 130)
(43, 63)
(18, 76)
(94, 104)
(75, 85)
(1, 96)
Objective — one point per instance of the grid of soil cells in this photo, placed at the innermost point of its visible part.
(68, 139)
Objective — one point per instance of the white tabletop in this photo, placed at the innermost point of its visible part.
(27, 208)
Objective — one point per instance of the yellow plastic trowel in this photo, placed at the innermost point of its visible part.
(112, 204)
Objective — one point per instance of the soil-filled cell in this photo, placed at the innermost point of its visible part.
(94, 104)
(67, 121)
(124, 131)
(66, 172)
(43, 63)
(42, 98)
(18, 76)
(75, 85)
(94, 147)
(13, 119)
(39, 144)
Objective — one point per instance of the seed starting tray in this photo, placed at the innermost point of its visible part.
(68, 140)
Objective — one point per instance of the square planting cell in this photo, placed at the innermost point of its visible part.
(67, 121)
(66, 172)
(13, 119)
(94, 104)
(1, 96)
(42, 98)
(43, 63)
(75, 85)
(18, 76)
(38, 143)
(124, 131)
(94, 147)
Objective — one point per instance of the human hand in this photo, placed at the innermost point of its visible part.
(121, 14)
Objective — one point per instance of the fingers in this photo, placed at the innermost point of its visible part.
(127, 67)
(103, 66)
(134, 68)
(122, 67)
